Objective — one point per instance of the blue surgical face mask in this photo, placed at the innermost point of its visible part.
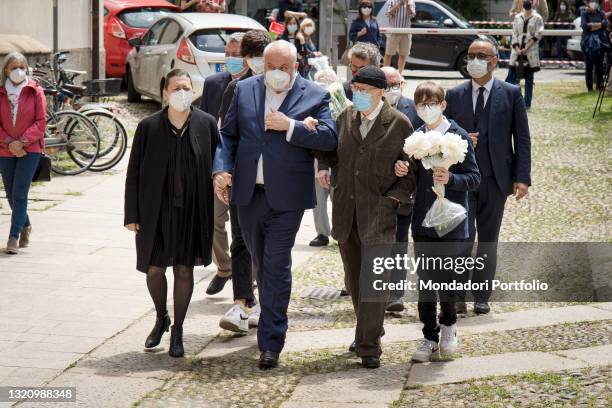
(234, 64)
(292, 28)
(362, 101)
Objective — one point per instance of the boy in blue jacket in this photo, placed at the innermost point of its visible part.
(440, 334)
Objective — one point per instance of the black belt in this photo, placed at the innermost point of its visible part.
(259, 187)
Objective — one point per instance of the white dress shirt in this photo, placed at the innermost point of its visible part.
(367, 121)
(487, 92)
(274, 100)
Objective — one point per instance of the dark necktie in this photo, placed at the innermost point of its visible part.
(479, 106)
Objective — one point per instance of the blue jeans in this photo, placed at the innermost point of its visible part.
(17, 173)
(511, 78)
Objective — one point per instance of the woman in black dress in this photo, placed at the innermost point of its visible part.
(169, 201)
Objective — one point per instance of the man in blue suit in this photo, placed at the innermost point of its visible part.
(273, 124)
(494, 114)
(210, 102)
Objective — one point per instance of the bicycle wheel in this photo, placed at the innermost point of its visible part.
(113, 138)
(72, 141)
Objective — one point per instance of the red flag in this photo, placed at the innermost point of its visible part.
(277, 28)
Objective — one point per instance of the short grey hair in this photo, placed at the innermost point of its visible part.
(10, 57)
(366, 51)
(235, 37)
(283, 44)
(391, 71)
(488, 41)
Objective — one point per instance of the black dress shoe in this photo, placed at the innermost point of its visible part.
(461, 307)
(352, 347)
(344, 292)
(370, 362)
(481, 308)
(176, 342)
(395, 306)
(216, 285)
(161, 326)
(268, 359)
(320, 241)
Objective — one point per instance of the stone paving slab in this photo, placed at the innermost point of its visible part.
(331, 338)
(380, 386)
(600, 355)
(444, 372)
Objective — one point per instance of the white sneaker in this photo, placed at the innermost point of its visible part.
(235, 320)
(448, 340)
(254, 316)
(426, 350)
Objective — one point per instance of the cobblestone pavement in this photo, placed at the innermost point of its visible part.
(587, 387)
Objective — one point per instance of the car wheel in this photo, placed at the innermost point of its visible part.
(462, 65)
(133, 95)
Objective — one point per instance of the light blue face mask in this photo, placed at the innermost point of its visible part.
(292, 28)
(234, 64)
(362, 101)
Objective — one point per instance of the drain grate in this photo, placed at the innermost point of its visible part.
(324, 293)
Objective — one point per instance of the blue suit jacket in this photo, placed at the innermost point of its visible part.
(214, 87)
(408, 108)
(288, 166)
(373, 35)
(509, 140)
(464, 176)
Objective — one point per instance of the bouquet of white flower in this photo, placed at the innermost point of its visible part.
(325, 76)
(435, 149)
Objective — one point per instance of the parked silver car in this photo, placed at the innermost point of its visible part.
(194, 42)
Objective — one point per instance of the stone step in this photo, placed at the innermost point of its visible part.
(333, 338)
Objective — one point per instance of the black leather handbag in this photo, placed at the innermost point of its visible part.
(522, 65)
(43, 171)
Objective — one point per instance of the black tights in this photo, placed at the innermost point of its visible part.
(183, 288)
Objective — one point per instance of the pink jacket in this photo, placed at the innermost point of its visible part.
(31, 119)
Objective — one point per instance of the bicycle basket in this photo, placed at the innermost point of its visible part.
(102, 87)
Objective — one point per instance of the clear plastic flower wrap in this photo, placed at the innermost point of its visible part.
(435, 149)
(325, 76)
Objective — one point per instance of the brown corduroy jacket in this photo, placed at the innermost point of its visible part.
(363, 175)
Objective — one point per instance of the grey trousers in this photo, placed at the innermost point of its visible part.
(221, 256)
(321, 218)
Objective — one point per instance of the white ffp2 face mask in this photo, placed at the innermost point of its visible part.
(17, 75)
(477, 68)
(393, 97)
(430, 114)
(180, 100)
(278, 80)
(256, 64)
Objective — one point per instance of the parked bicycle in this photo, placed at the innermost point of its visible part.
(65, 94)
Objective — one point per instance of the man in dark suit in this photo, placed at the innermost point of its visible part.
(494, 114)
(237, 319)
(210, 102)
(273, 124)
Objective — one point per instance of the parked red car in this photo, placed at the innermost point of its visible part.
(125, 19)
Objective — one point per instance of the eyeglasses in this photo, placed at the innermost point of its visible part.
(395, 87)
(480, 56)
(424, 105)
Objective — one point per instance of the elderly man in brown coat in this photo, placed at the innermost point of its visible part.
(367, 193)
